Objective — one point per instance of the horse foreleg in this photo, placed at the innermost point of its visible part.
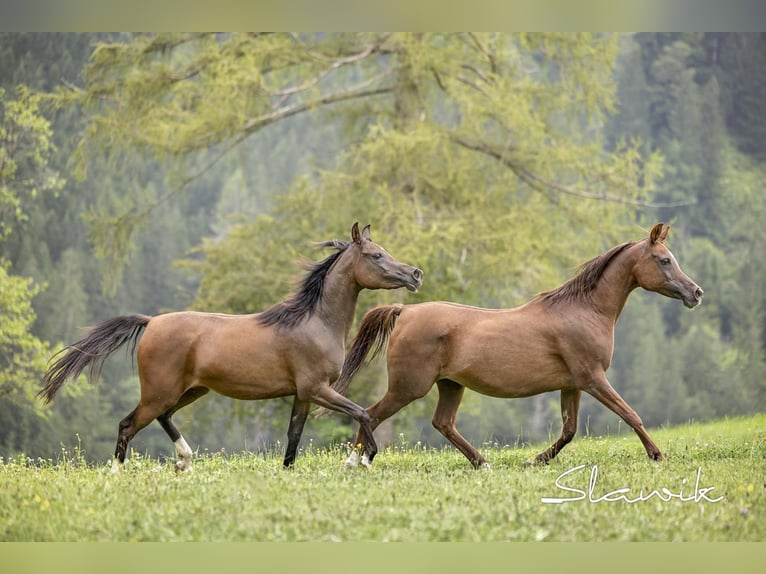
(450, 395)
(295, 430)
(326, 396)
(605, 393)
(570, 406)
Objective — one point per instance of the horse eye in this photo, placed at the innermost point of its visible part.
(377, 255)
(665, 261)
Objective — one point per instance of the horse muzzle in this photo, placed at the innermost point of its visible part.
(693, 297)
(415, 280)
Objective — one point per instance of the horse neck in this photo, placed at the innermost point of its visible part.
(337, 306)
(616, 284)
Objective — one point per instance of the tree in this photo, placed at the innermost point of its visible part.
(24, 151)
(49, 244)
(439, 124)
(22, 356)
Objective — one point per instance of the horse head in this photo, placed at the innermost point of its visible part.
(657, 270)
(375, 268)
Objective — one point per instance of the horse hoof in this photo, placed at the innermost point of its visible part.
(485, 466)
(366, 461)
(183, 466)
(353, 460)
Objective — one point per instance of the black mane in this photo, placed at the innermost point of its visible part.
(581, 286)
(292, 311)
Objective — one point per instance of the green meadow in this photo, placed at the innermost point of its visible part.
(710, 488)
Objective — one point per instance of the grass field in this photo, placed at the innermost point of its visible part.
(411, 494)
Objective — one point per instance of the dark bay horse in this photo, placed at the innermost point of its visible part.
(294, 348)
(562, 340)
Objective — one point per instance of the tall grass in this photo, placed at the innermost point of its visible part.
(411, 494)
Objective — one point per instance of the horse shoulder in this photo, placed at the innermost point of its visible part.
(585, 342)
(312, 348)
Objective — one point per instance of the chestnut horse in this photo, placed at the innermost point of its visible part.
(561, 340)
(294, 348)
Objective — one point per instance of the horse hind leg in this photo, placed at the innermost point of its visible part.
(141, 416)
(450, 396)
(124, 435)
(391, 403)
(570, 406)
(378, 412)
(325, 396)
(183, 450)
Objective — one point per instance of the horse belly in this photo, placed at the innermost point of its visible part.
(246, 372)
(249, 388)
(508, 368)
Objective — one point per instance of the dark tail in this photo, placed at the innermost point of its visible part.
(102, 340)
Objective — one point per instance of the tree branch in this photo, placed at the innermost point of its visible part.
(479, 46)
(358, 91)
(479, 73)
(352, 59)
(540, 183)
(473, 84)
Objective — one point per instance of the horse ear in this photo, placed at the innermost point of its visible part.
(664, 233)
(366, 232)
(656, 234)
(355, 233)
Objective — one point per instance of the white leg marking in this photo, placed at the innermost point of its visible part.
(366, 461)
(116, 466)
(184, 452)
(353, 459)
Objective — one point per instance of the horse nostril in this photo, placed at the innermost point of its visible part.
(699, 292)
(417, 274)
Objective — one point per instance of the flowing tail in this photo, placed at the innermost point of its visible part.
(102, 340)
(373, 333)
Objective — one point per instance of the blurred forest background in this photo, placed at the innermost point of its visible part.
(151, 173)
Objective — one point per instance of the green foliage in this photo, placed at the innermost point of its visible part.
(22, 355)
(411, 494)
(432, 119)
(445, 178)
(24, 151)
(25, 146)
(48, 247)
